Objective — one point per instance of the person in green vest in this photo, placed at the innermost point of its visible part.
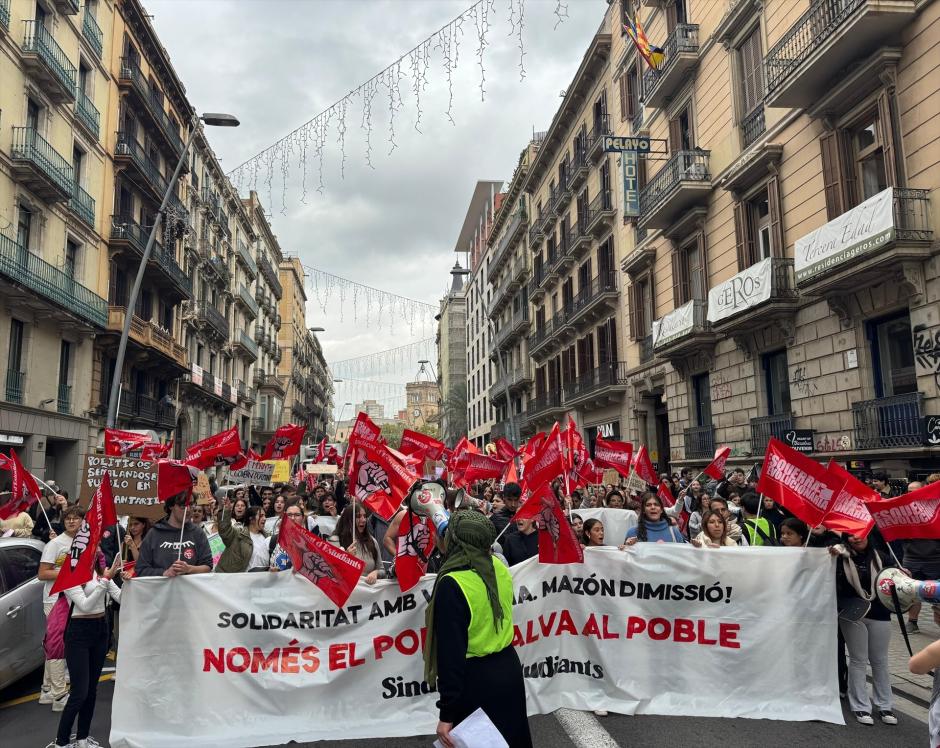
(468, 654)
(757, 529)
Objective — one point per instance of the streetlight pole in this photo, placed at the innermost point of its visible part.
(219, 120)
(339, 420)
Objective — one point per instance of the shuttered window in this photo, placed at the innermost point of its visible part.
(750, 62)
(758, 227)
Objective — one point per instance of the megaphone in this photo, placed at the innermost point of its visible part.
(427, 500)
(463, 500)
(908, 590)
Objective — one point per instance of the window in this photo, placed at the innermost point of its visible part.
(750, 69)
(892, 353)
(777, 383)
(24, 226)
(17, 334)
(701, 400)
(71, 257)
(607, 342)
(606, 201)
(32, 114)
(676, 14)
(757, 226)
(868, 152)
(78, 164)
(641, 307)
(689, 274)
(65, 362)
(681, 136)
(19, 565)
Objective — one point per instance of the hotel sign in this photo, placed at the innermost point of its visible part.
(631, 184)
(617, 144)
(676, 324)
(858, 231)
(747, 289)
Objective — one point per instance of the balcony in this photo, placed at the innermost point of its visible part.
(217, 266)
(243, 255)
(516, 326)
(699, 442)
(66, 7)
(681, 50)
(129, 153)
(245, 346)
(883, 233)
(596, 138)
(517, 272)
(40, 167)
(560, 195)
(211, 317)
(5, 14)
(597, 385)
(825, 39)
(742, 303)
(245, 393)
(579, 241)
(753, 125)
(765, 427)
(544, 340)
(64, 399)
(131, 79)
(682, 183)
(512, 232)
(536, 286)
(16, 384)
(272, 382)
(636, 123)
(148, 334)
(595, 301)
(249, 304)
(545, 406)
(578, 171)
(29, 271)
(127, 234)
(83, 205)
(44, 60)
(270, 275)
(87, 115)
(889, 422)
(163, 259)
(601, 213)
(92, 33)
(536, 231)
(683, 331)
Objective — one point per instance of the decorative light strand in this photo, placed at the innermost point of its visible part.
(400, 359)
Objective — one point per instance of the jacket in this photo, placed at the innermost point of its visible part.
(518, 547)
(161, 547)
(705, 542)
(238, 545)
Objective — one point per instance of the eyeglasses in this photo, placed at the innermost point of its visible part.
(293, 514)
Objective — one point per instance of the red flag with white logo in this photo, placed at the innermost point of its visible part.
(548, 463)
(118, 443)
(382, 482)
(557, 541)
(23, 487)
(613, 454)
(504, 449)
(420, 445)
(644, 467)
(581, 470)
(78, 567)
(665, 495)
(285, 443)
(848, 512)
(335, 571)
(219, 449)
(533, 501)
(472, 467)
(716, 468)
(321, 450)
(801, 485)
(415, 545)
(913, 516)
(155, 451)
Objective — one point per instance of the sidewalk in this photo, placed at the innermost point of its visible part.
(914, 687)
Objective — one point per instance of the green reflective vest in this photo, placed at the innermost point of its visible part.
(482, 637)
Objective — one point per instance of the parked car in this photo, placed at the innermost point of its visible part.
(22, 621)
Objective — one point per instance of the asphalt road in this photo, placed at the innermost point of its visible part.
(26, 724)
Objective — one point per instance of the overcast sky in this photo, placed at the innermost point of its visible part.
(276, 64)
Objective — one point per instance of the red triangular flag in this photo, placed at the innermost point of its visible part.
(382, 482)
(848, 512)
(219, 449)
(415, 544)
(285, 443)
(332, 569)
(78, 567)
(557, 542)
(716, 468)
(797, 483)
(913, 516)
(548, 463)
(613, 454)
(173, 477)
(321, 450)
(644, 467)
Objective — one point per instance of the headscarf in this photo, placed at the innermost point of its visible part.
(470, 535)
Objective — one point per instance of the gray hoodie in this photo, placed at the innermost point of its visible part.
(161, 547)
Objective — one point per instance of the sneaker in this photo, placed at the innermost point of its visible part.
(887, 717)
(912, 627)
(59, 704)
(600, 712)
(864, 718)
(45, 697)
(53, 744)
(87, 743)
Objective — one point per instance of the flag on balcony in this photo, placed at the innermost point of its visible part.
(78, 567)
(24, 489)
(848, 512)
(219, 449)
(285, 443)
(800, 485)
(716, 468)
(913, 516)
(653, 55)
(613, 454)
(118, 443)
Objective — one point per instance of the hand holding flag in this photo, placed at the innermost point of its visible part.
(79, 565)
(332, 569)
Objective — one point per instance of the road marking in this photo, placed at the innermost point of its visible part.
(35, 696)
(584, 729)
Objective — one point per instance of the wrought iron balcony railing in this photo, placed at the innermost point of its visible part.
(764, 427)
(83, 205)
(245, 296)
(244, 254)
(30, 146)
(888, 422)
(684, 38)
(92, 32)
(270, 275)
(87, 113)
(38, 41)
(684, 166)
(753, 125)
(16, 384)
(64, 399)
(699, 442)
(5, 14)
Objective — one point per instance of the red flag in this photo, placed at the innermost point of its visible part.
(78, 567)
(415, 544)
(548, 463)
(913, 516)
(716, 468)
(799, 484)
(472, 467)
(581, 471)
(557, 541)
(644, 467)
(382, 482)
(321, 450)
(25, 491)
(848, 512)
(512, 475)
(531, 447)
(504, 449)
(616, 455)
(155, 451)
(333, 457)
(285, 443)
(118, 443)
(665, 495)
(332, 569)
(533, 501)
(173, 477)
(223, 448)
(420, 445)
(364, 430)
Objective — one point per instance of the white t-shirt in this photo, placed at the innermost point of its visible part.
(55, 552)
(260, 556)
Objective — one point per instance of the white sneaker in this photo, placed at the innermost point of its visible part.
(600, 712)
(53, 744)
(864, 717)
(59, 704)
(88, 742)
(45, 697)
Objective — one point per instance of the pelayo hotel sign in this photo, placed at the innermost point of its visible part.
(863, 229)
(747, 289)
(676, 324)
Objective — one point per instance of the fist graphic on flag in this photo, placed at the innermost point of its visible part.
(315, 568)
(549, 523)
(79, 544)
(371, 479)
(281, 444)
(415, 541)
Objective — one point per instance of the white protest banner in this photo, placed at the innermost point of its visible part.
(658, 629)
(255, 473)
(616, 522)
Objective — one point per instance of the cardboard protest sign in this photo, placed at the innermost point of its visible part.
(202, 491)
(133, 483)
(255, 473)
(321, 468)
(281, 472)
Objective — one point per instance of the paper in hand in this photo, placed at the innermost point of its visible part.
(475, 731)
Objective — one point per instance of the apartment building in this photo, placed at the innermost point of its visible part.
(54, 222)
(508, 273)
(473, 242)
(781, 279)
(422, 404)
(451, 341)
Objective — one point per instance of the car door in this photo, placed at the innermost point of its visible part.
(22, 622)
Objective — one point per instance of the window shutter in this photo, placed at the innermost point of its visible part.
(703, 267)
(634, 312)
(846, 162)
(630, 94)
(741, 235)
(675, 136)
(777, 243)
(612, 340)
(680, 278)
(672, 17)
(828, 148)
(886, 124)
(622, 87)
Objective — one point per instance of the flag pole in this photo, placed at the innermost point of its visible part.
(39, 501)
(179, 550)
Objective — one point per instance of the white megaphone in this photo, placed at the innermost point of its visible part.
(427, 500)
(908, 590)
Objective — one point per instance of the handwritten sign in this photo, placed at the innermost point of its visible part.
(321, 468)
(255, 473)
(133, 482)
(202, 491)
(281, 472)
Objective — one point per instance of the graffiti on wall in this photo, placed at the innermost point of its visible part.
(834, 444)
(802, 383)
(721, 387)
(927, 351)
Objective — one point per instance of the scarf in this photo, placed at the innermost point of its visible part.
(470, 535)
